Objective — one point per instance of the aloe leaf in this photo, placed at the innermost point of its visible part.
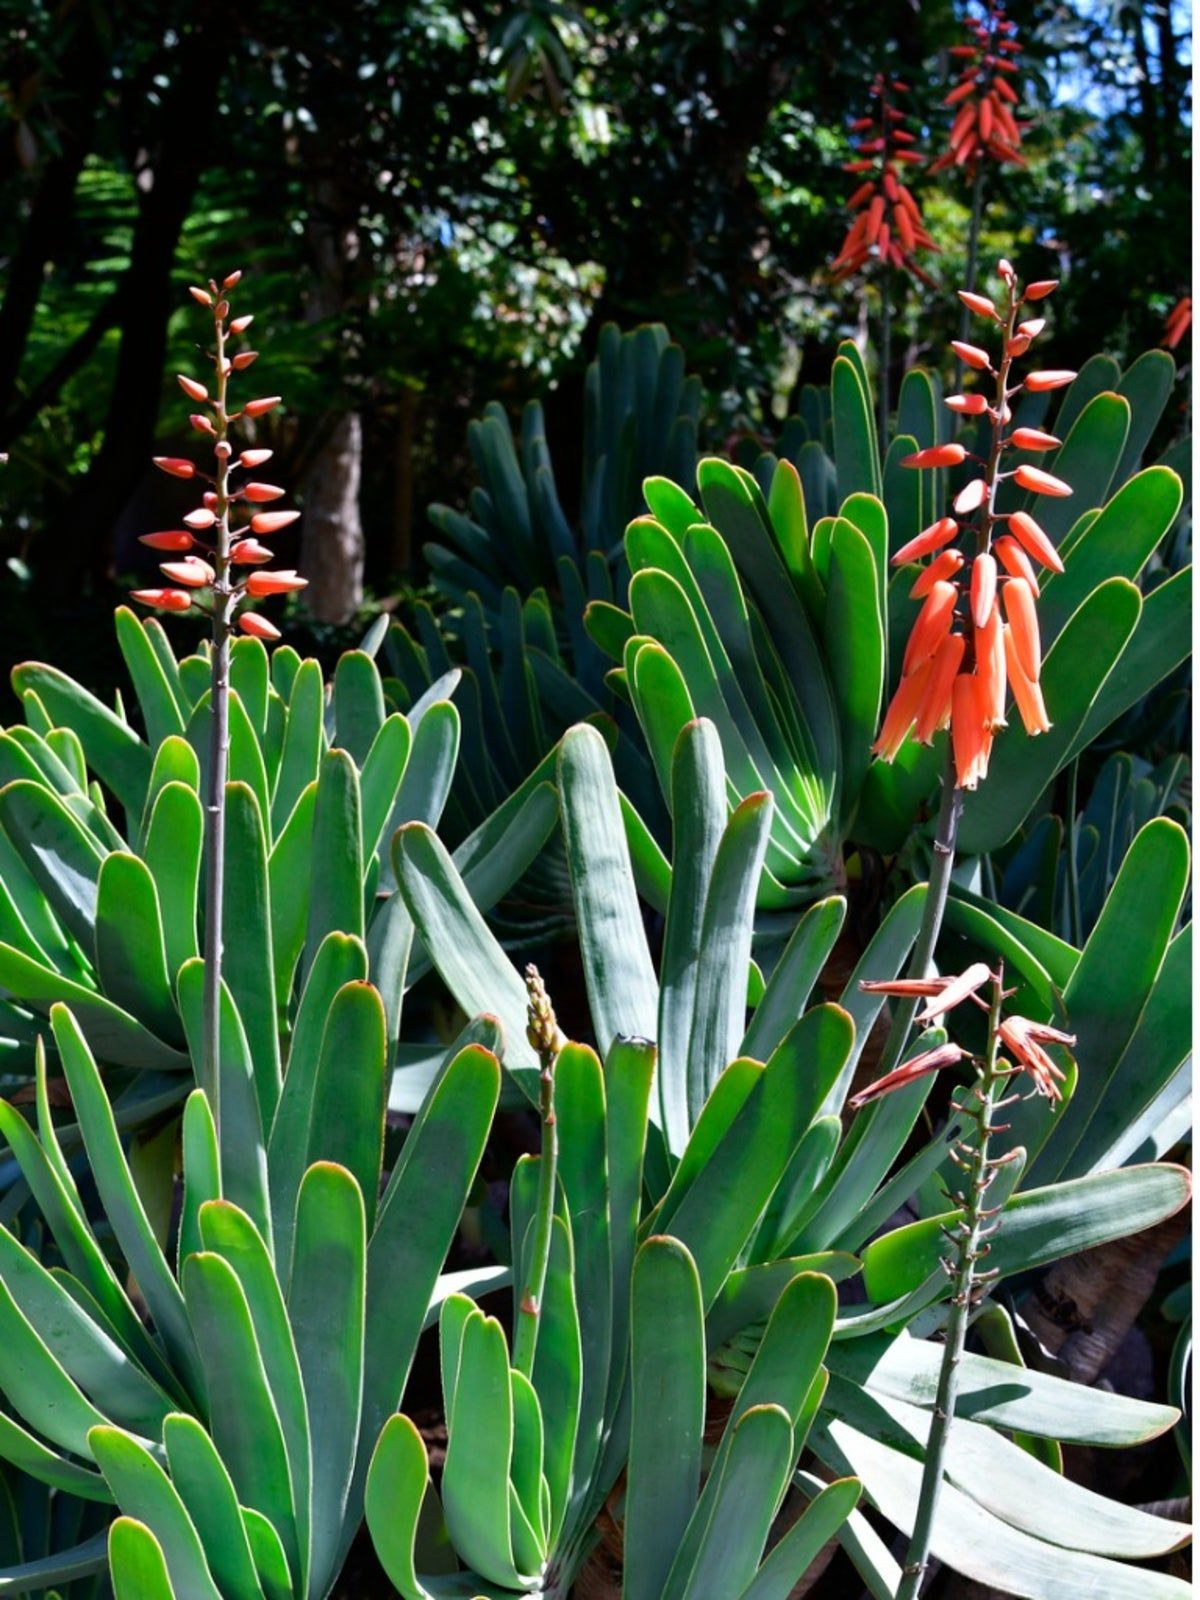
(336, 902)
(246, 763)
(172, 851)
(1087, 461)
(120, 1199)
(234, 1097)
(978, 1544)
(698, 807)
(270, 1558)
(131, 958)
(430, 770)
(557, 1374)
(303, 738)
(249, 969)
(155, 693)
(723, 955)
(1147, 385)
(35, 1457)
(61, 855)
(795, 976)
(144, 1491)
(475, 1478)
(244, 1422)
(396, 1486)
(854, 446)
(114, 750)
(667, 1426)
(1040, 1225)
(1160, 642)
(289, 877)
(804, 1540)
(37, 1385)
(621, 982)
(135, 1558)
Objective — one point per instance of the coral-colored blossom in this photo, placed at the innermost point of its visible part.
(888, 227)
(1025, 1040)
(257, 627)
(920, 1066)
(163, 599)
(1033, 478)
(1035, 540)
(960, 988)
(281, 582)
(272, 521)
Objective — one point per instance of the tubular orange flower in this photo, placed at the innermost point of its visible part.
(943, 1055)
(1022, 619)
(1026, 1040)
(258, 408)
(192, 573)
(1015, 562)
(989, 666)
(955, 992)
(971, 355)
(1178, 322)
(257, 627)
(193, 390)
(970, 497)
(932, 625)
(888, 229)
(1040, 482)
(945, 566)
(983, 588)
(925, 543)
(934, 714)
(968, 405)
(261, 493)
(248, 552)
(1034, 540)
(970, 732)
(1040, 289)
(902, 713)
(1031, 705)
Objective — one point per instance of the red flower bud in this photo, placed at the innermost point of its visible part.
(222, 449)
(192, 573)
(983, 588)
(970, 497)
(193, 390)
(938, 455)
(163, 599)
(1015, 562)
(948, 565)
(1040, 289)
(257, 627)
(258, 408)
(926, 542)
(272, 521)
(240, 324)
(201, 424)
(1039, 482)
(979, 303)
(971, 355)
(248, 552)
(176, 466)
(244, 359)
(202, 517)
(1039, 382)
(254, 458)
(1035, 540)
(260, 493)
(284, 582)
(1033, 439)
(970, 405)
(232, 279)
(202, 295)
(173, 539)
(1032, 328)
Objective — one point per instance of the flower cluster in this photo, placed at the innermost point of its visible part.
(985, 126)
(958, 668)
(888, 220)
(210, 554)
(1024, 1039)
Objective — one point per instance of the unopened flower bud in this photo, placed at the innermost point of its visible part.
(193, 390)
(192, 573)
(202, 295)
(201, 423)
(971, 355)
(163, 599)
(176, 466)
(280, 582)
(232, 279)
(968, 405)
(210, 499)
(1039, 382)
(254, 458)
(938, 455)
(244, 359)
(1040, 289)
(971, 497)
(248, 552)
(979, 303)
(240, 324)
(258, 408)
(170, 539)
(272, 521)
(1039, 482)
(1033, 439)
(257, 627)
(223, 450)
(1032, 328)
(261, 493)
(202, 517)
(222, 309)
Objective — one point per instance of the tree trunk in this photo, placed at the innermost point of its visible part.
(332, 548)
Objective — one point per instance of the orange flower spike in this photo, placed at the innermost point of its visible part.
(1039, 482)
(972, 739)
(955, 992)
(934, 713)
(983, 588)
(932, 625)
(1034, 540)
(948, 565)
(902, 713)
(283, 582)
(920, 1066)
(257, 627)
(1023, 620)
(1015, 562)
(1031, 706)
(931, 539)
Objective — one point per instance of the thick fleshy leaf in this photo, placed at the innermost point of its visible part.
(113, 749)
(131, 957)
(143, 1491)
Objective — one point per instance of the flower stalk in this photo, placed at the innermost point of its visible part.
(547, 1040)
(208, 553)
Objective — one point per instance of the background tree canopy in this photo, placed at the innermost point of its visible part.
(442, 204)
